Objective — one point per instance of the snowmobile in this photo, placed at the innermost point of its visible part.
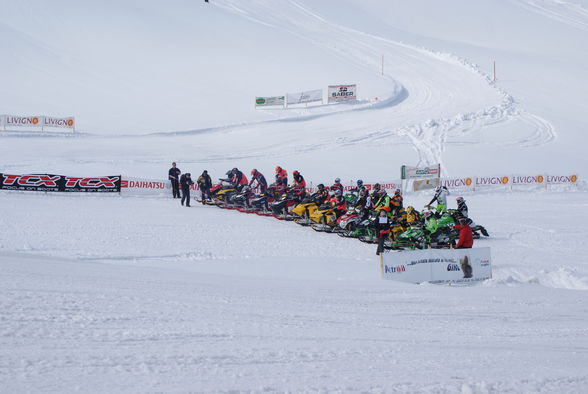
(260, 204)
(348, 222)
(241, 200)
(304, 209)
(365, 231)
(281, 207)
(323, 219)
(221, 192)
(476, 228)
(415, 237)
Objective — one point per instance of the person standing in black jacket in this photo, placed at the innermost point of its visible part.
(185, 182)
(382, 230)
(174, 177)
(205, 183)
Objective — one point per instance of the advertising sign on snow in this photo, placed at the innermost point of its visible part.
(23, 121)
(339, 93)
(305, 97)
(50, 121)
(407, 172)
(270, 101)
(60, 183)
(437, 265)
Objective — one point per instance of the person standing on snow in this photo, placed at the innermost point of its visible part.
(466, 240)
(440, 197)
(258, 177)
(174, 177)
(382, 230)
(204, 183)
(186, 182)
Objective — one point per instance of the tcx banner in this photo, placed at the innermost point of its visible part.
(60, 183)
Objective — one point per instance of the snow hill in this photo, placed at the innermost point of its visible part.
(137, 294)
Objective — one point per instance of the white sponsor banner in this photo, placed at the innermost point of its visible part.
(437, 265)
(305, 97)
(425, 184)
(465, 183)
(23, 121)
(270, 101)
(421, 172)
(561, 179)
(491, 181)
(338, 93)
(68, 123)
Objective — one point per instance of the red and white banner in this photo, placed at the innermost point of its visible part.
(339, 93)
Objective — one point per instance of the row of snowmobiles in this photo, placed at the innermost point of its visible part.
(409, 228)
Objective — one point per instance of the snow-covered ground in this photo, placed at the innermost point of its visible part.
(138, 294)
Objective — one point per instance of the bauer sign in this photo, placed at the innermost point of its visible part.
(339, 93)
(437, 265)
(270, 101)
(59, 183)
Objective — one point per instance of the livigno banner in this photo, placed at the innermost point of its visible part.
(437, 265)
(60, 183)
(270, 101)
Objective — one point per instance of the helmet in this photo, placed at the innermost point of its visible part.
(438, 189)
(254, 171)
(377, 186)
(338, 193)
(460, 200)
(205, 172)
(320, 186)
(359, 182)
(278, 169)
(234, 170)
(337, 180)
(409, 209)
(295, 172)
(397, 191)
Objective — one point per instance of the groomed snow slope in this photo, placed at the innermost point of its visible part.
(129, 294)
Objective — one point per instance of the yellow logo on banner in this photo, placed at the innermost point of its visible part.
(35, 120)
(70, 122)
(504, 180)
(573, 178)
(540, 179)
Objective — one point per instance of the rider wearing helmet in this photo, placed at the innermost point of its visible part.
(359, 187)
(337, 185)
(281, 176)
(396, 202)
(320, 195)
(440, 196)
(258, 177)
(299, 184)
(462, 208)
(238, 179)
(383, 202)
